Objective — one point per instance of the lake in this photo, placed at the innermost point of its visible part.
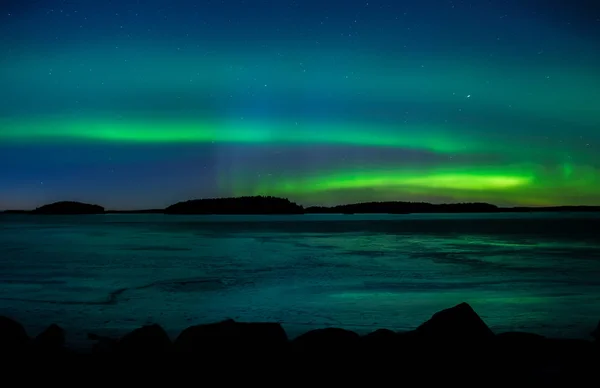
(112, 273)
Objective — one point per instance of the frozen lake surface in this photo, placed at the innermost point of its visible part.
(112, 273)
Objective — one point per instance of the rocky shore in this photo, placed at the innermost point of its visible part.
(454, 346)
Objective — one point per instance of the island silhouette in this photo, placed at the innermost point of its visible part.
(268, 205)
(240, 205)
(68, 207)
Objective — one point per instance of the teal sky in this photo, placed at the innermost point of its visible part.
(130, 105)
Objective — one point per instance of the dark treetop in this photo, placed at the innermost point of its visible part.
(241, 205)
(275, 205)
(69, 207)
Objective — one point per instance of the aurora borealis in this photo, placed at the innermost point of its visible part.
(134, 104)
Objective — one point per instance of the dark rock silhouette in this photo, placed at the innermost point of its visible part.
(147, 340)
(240, 205)
(518, 338)
(381, 342)
(538, 358)
(102, 345)
(524, 352)
(454, 346)
(596, 333)
(330, 340)
(456, 324)
(380, 335)
(13, 337)
(69, 207)
(50, 340)
(228, 336)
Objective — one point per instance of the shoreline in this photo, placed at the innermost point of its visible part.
(142, 212)
(268, 205)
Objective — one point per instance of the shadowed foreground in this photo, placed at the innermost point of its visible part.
(454, 346)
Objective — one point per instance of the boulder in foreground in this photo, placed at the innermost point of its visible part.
(330, 340)
(103, 345)
(147, 340)
(13, 337)
(458, 324)
(230, 336)
(440, 351)
(596, 333)
(51, 339)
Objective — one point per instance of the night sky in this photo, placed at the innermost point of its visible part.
(138, 104)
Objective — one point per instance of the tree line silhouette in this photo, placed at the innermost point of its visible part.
(275, 205)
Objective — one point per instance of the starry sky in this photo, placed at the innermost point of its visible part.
(139, 104)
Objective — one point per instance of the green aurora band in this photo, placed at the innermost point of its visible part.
(536, 120)
(439, 138)
(532, 181)
(527, 185)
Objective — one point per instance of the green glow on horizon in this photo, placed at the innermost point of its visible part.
(436, 181)
(404, 180)
(521, 185)
(523, 175)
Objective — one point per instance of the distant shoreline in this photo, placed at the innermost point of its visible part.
(259, 205)
(160, 211)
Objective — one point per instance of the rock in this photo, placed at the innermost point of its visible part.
(331, 340)
(519, 337)
(542, 359)
(459, 324)
(51, 339)
(596, 333)
(381, 338)
(13, 337)
(230, 336)
(379, 345)
(269, 334)
(519, 347)
(448, 341)
(151, 339)
(576, 354)
(103, 344)
(534, 347)
(380, 335)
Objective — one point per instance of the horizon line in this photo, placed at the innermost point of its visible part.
(108, 210)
